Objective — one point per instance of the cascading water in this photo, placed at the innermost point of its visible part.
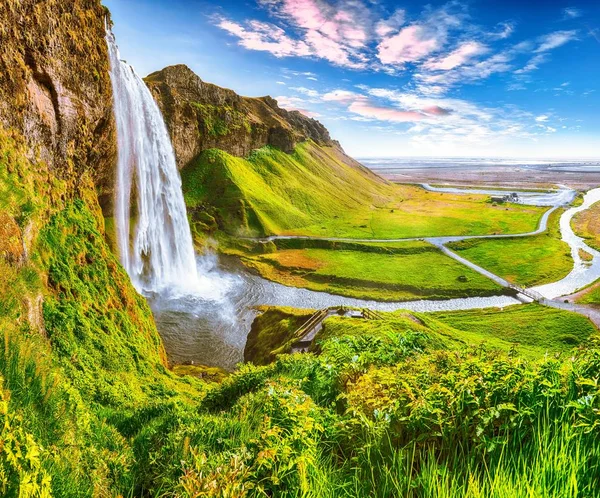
(159, 254)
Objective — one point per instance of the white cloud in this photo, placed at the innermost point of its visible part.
(572, 13)
(306, 91)
(458, 57)
(555, 40)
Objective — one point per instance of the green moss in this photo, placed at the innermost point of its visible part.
(272, 330)
(209, 374)
(219, 121)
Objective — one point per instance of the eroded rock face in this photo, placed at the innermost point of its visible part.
(203, 116)
(55, 87)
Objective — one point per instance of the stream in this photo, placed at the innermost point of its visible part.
(210, 328)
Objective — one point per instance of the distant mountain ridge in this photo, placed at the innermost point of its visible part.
(202, 116)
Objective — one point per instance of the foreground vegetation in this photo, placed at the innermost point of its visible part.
(317, 192)
(381, 271)
(405, 407)
(526, 261)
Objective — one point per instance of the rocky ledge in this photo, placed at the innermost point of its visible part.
(203, 116)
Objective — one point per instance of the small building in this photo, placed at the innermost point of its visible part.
(501, 199)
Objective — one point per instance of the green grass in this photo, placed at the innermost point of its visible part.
(587, 225)
(387, 272)
(316, 191)
(591, 295)
(532, 328)
(526, 261)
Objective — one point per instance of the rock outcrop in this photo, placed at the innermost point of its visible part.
(55, 87)
(203, 116)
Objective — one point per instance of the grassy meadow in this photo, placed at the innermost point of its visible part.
(587, 225)
(316, 192)
(525, 261)
(387, 272)
(591, 295)
(533, 329)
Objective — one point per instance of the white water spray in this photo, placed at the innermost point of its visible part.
(158, 254)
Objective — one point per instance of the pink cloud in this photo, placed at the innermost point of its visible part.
(295, 104)
(436, 110)
(363, 108)
(266, 38)
(412, 44)
(463, 54)
(387, 27)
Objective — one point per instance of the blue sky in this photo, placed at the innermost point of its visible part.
(477, 78)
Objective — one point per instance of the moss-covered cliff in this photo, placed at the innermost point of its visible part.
(202, 116)
(55, 87)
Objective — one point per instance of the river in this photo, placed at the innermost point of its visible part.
(211, 328)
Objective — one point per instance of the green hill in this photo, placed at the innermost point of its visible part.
(272, 192)
(319, 191)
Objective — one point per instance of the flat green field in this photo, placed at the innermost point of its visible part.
(317, 191)
(525, 261)
(534, 328)
(587, 225)
(387, 272)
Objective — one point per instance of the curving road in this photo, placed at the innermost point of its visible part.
(581, 275)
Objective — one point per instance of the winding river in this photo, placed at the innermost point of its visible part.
(211, 328)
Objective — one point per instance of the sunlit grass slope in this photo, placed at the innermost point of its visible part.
(389, 272)
(533, 329)
(525, 261)
(318, 191)
(530, 330)
(587, 225)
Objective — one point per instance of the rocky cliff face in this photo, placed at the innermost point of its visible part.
(55, 87)
(203, 116)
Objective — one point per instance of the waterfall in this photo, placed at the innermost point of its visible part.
(157, 252)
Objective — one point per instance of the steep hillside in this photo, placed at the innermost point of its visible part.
(272, 191)
(203, 116)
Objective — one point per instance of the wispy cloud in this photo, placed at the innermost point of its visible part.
(440, 49)
(266, 37)
(296, 104)
(572, 13)
(503, 31)
(439, 120)
(555, 40)
(458, 57)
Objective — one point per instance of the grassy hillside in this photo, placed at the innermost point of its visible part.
(526, 261)
(387, 272)
(533, 329)
(318, 191)
(587, 225)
